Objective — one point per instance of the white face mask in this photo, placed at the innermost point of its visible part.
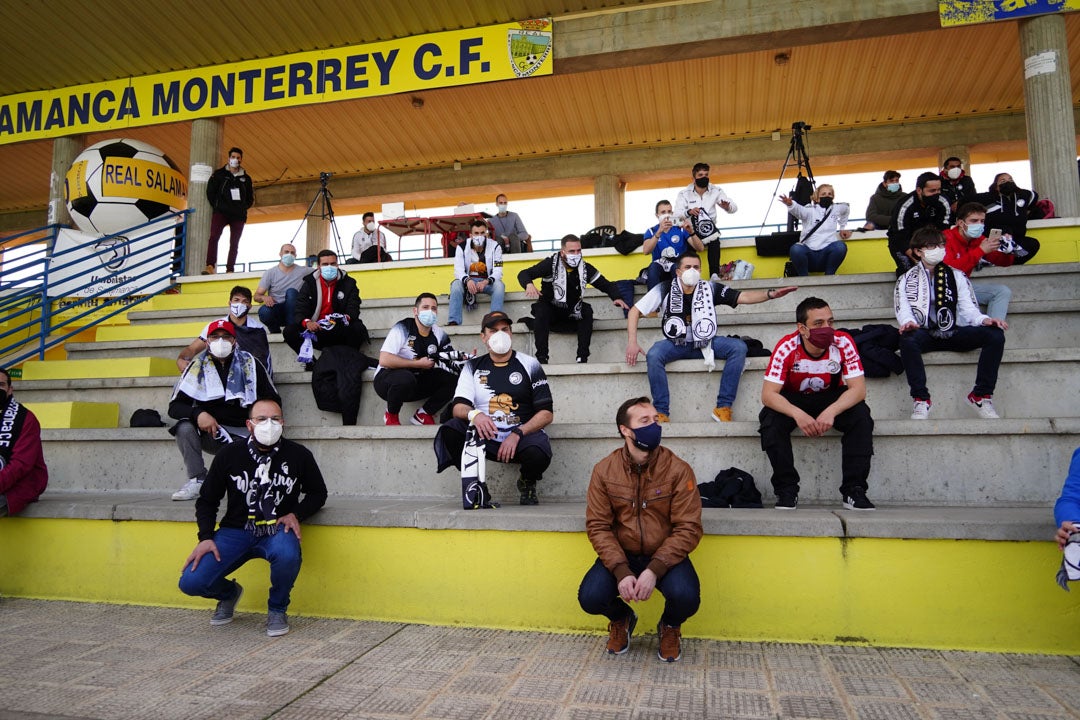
(932, 256)
(954, 173)
(502, 207)
(500, 342)
(371, 226)
(690, 276)
(573, 260)
(221, 348)
(479, 240)
(234, 163)
(239, 309)
(268, 432)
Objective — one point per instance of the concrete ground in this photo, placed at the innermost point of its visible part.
(76, 660)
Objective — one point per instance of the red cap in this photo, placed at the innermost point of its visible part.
(220, 325)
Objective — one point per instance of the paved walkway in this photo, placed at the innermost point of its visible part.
(76, 660)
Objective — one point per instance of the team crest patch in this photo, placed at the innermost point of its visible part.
(113, 252)
(515, 378)
(528, 46)
(432, 349)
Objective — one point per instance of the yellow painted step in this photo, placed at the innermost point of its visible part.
(155, 331)
(112, 368)
(67, 415)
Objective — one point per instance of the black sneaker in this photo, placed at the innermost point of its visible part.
(527, 489)
(857, 500)
(787, 501)
(583, 359)
(542, 359)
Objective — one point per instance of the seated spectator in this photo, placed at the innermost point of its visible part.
(956, 186)
(23, 475)
(369, 242)
(688, 308)
(510, 233)
(967, 248)
(278, 290)
(922, 207)
(815, 382)
(666, 241)
(1007, 209)
(1067, 507)
(211, 401)
(271, 485)
(879, 210)
(410, 367)
(328, 305)
(250, 332)
(698, 202)
(936, 310)
(646, 548)
(477, 269)
(560, 301)
(821, 245)
(505, 396)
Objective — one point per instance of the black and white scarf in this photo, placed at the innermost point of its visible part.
(261, 500)
(941, 318)
(702, 327)
(559, 288)
(11, 424)
(704, 227)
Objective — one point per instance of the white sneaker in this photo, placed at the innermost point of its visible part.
(984, 407)
(921, 410)
(715, 278)
(190, 491)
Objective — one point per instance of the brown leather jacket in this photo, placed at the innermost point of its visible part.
(652, 510)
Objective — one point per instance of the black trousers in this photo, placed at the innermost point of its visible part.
(857, 443)
(548, 317)
(401, 385)
(354, 335)
(712, 252)
(533, 451)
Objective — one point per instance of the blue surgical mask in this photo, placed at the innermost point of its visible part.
(893, 187)
(288, 259)
(427, 317)
(648, 437)
(329, 272)
(974, 230)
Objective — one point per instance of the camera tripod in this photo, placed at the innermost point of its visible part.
(322, 207)
(804, 184)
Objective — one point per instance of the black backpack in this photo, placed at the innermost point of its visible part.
(732, 488)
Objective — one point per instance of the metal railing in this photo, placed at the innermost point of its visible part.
(100, 277)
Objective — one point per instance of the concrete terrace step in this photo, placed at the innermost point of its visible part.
(1010, 523)
(1029, 386)
(1005, 462)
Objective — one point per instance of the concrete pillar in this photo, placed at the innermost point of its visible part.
(318, 234)
(608, 198)
(1051, 130)
(961, 151)
(206, 138)
(65, 150)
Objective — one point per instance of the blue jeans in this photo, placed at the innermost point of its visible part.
(599, 591)
(457, 298)
(656, 275)
(995, 297)
(731, 350)
(281, 314)
(236, 547)
(827, 259)
(990, 339)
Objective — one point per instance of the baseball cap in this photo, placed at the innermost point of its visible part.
(495, 317)
(220, 325)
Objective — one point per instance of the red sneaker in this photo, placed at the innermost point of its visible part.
(390, 418)
(422, 418)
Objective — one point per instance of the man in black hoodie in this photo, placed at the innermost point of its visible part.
(563, 278)
(882, 202)
(230, 193)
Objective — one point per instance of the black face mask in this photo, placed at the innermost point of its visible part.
(4, 397)
(825, 202)
(702, 182)
(1007, 188)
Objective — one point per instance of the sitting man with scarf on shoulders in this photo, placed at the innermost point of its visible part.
(23, 475)
(936, 309)
(271, 485)
(561, 298)
(211, 401)
(688, 308)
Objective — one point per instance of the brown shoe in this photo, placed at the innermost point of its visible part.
(209, 270)
(619, 632)
(670, 642)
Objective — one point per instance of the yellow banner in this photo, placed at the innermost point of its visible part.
(458, 57)
(143, 179)
(970, 12)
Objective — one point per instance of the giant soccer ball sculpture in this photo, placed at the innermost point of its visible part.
(114, 185)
